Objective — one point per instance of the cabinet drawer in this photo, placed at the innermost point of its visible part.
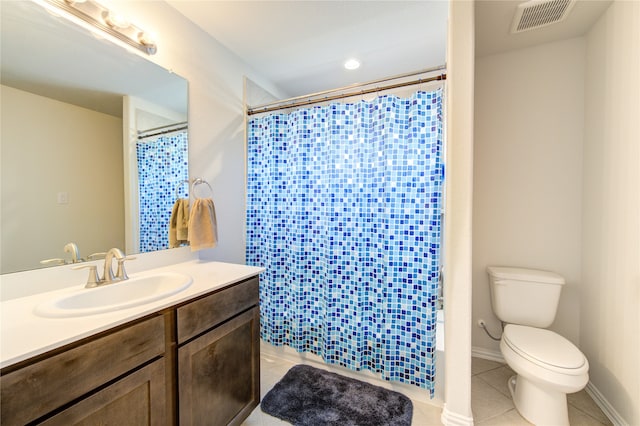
(203, 314)
(37, 389)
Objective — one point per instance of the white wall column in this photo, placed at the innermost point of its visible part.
(458, 213)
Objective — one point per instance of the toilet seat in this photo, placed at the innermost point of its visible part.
(547, 368)
(546, 349)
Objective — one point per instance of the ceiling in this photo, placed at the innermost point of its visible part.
(301, 46)
(494, 17)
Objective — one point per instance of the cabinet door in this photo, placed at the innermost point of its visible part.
(219, 373)
(138, 399)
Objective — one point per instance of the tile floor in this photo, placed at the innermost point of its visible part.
(490, 400)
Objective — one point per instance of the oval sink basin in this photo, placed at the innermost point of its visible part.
(112, 297)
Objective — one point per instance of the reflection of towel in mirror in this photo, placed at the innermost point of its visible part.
(179, 223)
(203, 228)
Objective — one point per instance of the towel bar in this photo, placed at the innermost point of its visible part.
(198, 181)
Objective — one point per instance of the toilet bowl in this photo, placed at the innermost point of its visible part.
(548, 366)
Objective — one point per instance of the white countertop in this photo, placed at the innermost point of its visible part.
(23, 334)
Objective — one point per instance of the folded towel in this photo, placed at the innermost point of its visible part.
(203, 228)
(179, 223)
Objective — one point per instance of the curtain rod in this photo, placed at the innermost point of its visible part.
(170, 128)
(297, 101)
(352, 86)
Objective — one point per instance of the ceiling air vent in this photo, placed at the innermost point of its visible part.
(540, 13)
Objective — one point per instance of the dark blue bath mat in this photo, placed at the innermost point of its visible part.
(307, 396)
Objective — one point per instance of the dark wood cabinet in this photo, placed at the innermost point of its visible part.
(219, 356)
(197, 363)
(211, 310)
(219, 373)
(137, 399)
(31, 392)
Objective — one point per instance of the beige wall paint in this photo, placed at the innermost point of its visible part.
(81, 146)
(527, 173)
(610, 290)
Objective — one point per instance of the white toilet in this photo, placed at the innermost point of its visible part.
(547, 365)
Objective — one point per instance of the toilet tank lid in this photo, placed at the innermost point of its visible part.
(524, 274)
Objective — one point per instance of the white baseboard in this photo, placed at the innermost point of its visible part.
(489, 354)
(449, 418)
(605, 406)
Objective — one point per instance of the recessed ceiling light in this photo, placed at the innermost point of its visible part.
(352, 64)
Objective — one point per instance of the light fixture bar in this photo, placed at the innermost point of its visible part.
(107, 21)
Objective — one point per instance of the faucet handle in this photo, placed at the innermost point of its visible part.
(56, 261)
(94, 279)
(121, 273)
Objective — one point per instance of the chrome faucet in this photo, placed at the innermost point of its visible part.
(73, 249)
(94, 279)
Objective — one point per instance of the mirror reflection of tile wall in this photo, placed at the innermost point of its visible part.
(162, 171)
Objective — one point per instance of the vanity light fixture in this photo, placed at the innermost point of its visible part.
(115, 20)
(107, 21)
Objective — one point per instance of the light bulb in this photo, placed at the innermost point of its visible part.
(115, 20)
(148, 41)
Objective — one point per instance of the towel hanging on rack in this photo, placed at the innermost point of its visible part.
(179, 223)
(203, 226)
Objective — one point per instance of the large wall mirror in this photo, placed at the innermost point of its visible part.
(94, 143)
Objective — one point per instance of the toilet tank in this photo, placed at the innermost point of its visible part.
(524, 296)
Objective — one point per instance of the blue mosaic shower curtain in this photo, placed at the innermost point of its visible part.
(343, 211)
(162, 167)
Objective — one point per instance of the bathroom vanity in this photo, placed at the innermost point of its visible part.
(191, 358)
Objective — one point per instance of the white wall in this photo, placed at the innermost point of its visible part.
(458, 219)
(592, 178)
(38, 162)
(610, 289)
(216, 115)
(529, 107)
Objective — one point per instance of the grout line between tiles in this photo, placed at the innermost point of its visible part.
(507, 395)
(493, 416)
(495, 388)
(586, 414)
